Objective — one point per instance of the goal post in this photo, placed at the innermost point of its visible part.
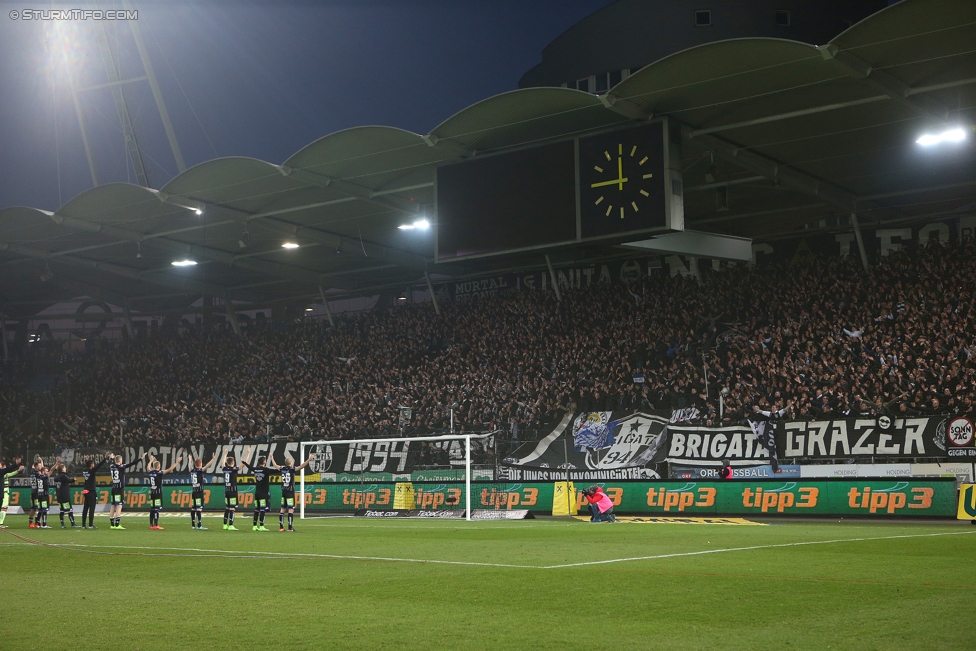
(410, 452)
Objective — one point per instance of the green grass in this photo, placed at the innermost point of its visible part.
(215, 589)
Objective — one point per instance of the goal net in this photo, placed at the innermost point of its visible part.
(427, 476)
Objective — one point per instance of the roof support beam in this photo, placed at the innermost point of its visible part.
(334, 240)
(786, 116)
(781, 174)
(927, 107)
(351, 189)
(155, 277)
(184, 249)
(624, 107)
(449, 146)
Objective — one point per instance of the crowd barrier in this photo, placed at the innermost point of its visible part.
(935, 497)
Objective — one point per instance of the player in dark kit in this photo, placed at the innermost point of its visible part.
(156, 473)
(43, 496)
(62, 491)
(12, 469)
(198, 480)
(33, 519)
(288, 474)
(89, 493)
(230, 489)
(262, 492)
(117, 471)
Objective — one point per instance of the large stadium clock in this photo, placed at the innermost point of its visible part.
(622, 182)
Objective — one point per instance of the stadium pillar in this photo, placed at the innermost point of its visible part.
(127, 315)
(433, 296)
(3, 332)
(328, 311)
(231, 314)
(860, 240)
(552, 276)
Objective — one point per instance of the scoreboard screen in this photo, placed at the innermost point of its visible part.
(513, 201)
(591, 188)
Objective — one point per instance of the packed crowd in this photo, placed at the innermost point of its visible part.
(821, 340)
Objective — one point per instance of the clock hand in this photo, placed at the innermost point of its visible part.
(619, 181)
(620, 171)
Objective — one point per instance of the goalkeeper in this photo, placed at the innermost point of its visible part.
(600, 505)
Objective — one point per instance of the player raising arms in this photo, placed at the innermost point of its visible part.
(12, 469)
(198, 480)
(62, 491)
(288, 473)
(262, 492)
(230, 488)
(156, 489)
(117, 471)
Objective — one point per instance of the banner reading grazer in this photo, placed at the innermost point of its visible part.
(916, 498)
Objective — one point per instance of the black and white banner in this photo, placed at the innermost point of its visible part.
(614, 445)
(862, 437)
(593, 446)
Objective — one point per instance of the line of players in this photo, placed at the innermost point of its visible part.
(43, 479)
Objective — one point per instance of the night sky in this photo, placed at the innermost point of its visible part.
(252, 79)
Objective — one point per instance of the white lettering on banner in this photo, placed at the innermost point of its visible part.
(940, 230)
(815, 439)
(677, 445)
(735, 448)
(887, 235)
(719, 445)
(860, 447)
(794, 439)
(844, 240)
(839, 435)
(913, 434)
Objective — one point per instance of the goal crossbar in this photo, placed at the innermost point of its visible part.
(444, 437)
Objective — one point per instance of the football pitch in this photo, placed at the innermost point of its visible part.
(354, 583)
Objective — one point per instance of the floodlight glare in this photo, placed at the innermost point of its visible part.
(421, 224)
(183, 263)
(958, 134)
(289, 245)
(198, 211)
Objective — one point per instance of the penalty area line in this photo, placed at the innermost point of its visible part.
(750, 548)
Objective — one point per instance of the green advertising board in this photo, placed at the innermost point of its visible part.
(909, 498)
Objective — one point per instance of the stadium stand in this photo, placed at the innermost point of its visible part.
(823, 340)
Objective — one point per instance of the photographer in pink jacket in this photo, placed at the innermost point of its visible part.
(600, 505)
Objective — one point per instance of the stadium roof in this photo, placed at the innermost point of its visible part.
(795, 133)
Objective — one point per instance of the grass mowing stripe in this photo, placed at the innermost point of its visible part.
(234, 553)
(751, 547)
(226, 553)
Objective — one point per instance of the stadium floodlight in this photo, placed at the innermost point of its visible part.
(956, 134)
(325, 448)
(183, 263)
(289, 245)
(420, 224)
(198, 211)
